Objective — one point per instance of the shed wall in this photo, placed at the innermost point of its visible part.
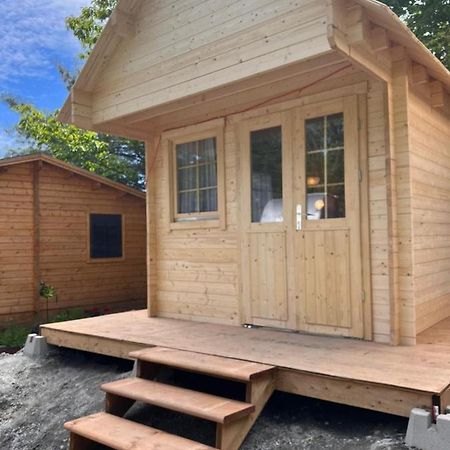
(16, 243)
(196, 273)
(190, 46)
(429, 131)
(66, 201)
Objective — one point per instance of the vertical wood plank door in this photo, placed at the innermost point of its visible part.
(265, 213)
(301, 257)
(326, 257)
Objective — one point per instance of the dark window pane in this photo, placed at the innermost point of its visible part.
(315, 136)
(208, 200)
(266, 175)
(106, 236)
(187, 202)
(187, 154)
(207, 150)
(335, 131)
(336, 202)
(207, 176)
(315, 169)
(335, 166)
(187, 178)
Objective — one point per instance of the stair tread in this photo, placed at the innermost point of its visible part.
(122, 434)
(232, 369)
(186, 401)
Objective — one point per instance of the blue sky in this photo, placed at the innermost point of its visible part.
(34, 40)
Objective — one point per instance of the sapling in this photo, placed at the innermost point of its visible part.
(47, 292)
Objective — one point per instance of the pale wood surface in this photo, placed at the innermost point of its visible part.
(424, 367)
(123, 434)
(197, 404)
(430, 176)
(196, 362)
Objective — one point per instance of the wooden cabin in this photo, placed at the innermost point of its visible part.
(298, 156)
(76, 231)
(298, 169)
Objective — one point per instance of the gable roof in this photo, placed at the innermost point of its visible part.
(71, 168)
(120, 25)
(382, 15)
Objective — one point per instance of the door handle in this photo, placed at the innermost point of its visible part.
(298, 217)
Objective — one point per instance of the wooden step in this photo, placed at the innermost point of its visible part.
(232, 369)
(198, 404)
(122, 434)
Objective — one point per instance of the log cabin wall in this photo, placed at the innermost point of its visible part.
(195, 274)
(16, 244)
(44, 236)
(187, 47)
(429, 132)
(66, 201)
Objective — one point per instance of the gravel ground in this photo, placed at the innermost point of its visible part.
(38, 396)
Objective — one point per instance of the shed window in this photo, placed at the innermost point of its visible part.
(267, 175)
(325, 175)
(106, 236)
(196, 179)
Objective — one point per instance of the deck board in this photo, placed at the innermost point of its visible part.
(424, 367)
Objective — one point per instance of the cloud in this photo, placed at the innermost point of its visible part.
(8, 141)
(34, 38)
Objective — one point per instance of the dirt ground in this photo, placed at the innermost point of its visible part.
(38, 396)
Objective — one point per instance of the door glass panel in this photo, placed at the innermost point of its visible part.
(266, 175)
(325, 175)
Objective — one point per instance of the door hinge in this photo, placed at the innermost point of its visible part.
(363, 296)
(359, 124)
(360, 175)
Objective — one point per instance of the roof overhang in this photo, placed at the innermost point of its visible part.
(366, 32)
(40, 157)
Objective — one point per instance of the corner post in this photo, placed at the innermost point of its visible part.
(401, 301)
(36, 235)
(151, 153)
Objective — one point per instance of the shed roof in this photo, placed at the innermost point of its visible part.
(71, 168)
(379, 13)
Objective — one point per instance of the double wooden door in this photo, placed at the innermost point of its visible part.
(301, 219)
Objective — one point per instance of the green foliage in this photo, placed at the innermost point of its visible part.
(88, 26)
(430, 22)
(70, 314)
(118, 159)
(13, 337)
(46, 291)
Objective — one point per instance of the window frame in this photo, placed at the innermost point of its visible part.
(90, 259)
(209, 219)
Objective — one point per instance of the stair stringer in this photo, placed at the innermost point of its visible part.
(230, 436)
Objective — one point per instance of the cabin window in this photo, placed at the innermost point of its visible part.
(196, 180)
(106, 239)
(325, 179)
(266, 175)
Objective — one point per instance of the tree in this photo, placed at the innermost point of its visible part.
(115, 158)
(119, 159)
(430, 22)
(89, 24)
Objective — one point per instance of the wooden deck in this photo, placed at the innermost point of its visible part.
(358, 373)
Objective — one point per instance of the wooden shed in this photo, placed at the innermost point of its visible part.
(79, 232)
(298, 168)
(298, 161)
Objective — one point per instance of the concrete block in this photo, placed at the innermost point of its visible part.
(35, 346)
(424, 435)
